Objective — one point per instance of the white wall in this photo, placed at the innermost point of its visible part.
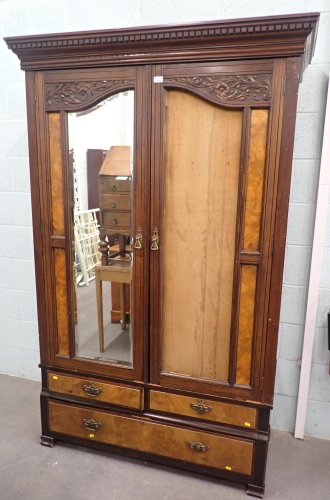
(18, 321)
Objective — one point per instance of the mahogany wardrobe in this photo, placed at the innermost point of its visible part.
(193, 128)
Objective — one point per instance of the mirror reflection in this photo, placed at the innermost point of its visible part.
(101, 154)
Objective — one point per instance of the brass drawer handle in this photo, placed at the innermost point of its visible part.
(92, 390)
(115, 221)
(201, 407)
(113, 187)
(197, 446)
(113, 204)
(138, 239)
(91, 425)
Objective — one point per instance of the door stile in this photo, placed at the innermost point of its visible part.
(36, 121)
(157, 168)
(283, 137)
(238, 244)
(267, 222)
(49, 320)
(68, 223)
(141, 195)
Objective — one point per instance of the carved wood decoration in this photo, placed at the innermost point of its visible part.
(212, 179)
(224, 89)
(80, 95)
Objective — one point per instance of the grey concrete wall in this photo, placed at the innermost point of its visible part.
(19, 353)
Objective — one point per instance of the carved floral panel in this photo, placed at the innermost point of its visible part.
(234, 89)
(78, 95)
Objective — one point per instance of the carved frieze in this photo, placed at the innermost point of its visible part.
(228, 88)
(73, 95)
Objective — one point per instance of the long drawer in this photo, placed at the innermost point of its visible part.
(144, 435)
(128, 396)
(226, 413)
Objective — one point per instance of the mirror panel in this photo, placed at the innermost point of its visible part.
(101, 155)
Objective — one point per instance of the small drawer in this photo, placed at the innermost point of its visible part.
(116, 219)
(115, 185)
(131, 397)
(225, 413)
(204, 448)
(115, 202)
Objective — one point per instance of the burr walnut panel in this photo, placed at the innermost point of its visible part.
(56, 172)
(204, 409)
(255, 179)
(201, 188)
(151, 437)
(61, 301)
(246, 323)
(121, 395)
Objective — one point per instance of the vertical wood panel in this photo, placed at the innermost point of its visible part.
(199, 222)
(61, 301)
(55, 156)
(246, 323)
(255, 179)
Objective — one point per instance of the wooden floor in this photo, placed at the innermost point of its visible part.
(296, 469)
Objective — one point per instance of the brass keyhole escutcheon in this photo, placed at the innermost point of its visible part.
(155, 239)
(138, 239)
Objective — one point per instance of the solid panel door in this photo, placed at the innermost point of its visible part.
(209, 269)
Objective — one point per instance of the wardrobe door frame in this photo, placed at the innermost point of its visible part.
(52, 102)
(180, 77)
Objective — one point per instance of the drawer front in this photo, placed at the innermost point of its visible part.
(225, 413)
(130, 397)
(183, 444)
(116, 219)
(113, 185)
(115, 202)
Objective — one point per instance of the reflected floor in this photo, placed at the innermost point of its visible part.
(117, 342)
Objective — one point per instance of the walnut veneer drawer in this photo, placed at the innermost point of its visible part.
(175, 442)
(113, 201)
(113, 185)
(131, 397)
(226, 413)
(116, 219)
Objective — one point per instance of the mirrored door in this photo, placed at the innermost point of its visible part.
(98, 178)
(103, 211)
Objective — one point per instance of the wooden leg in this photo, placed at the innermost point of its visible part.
(122, 287)
(255, 491)
(47, 441)
(99, 303)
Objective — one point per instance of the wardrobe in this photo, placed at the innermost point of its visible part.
(189, 224)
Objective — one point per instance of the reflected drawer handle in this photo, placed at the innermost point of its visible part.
(201, 407)
(91, 425)
(92, 390)
(197, 446)
(113, 187)
(113, 204)
(115, 221)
